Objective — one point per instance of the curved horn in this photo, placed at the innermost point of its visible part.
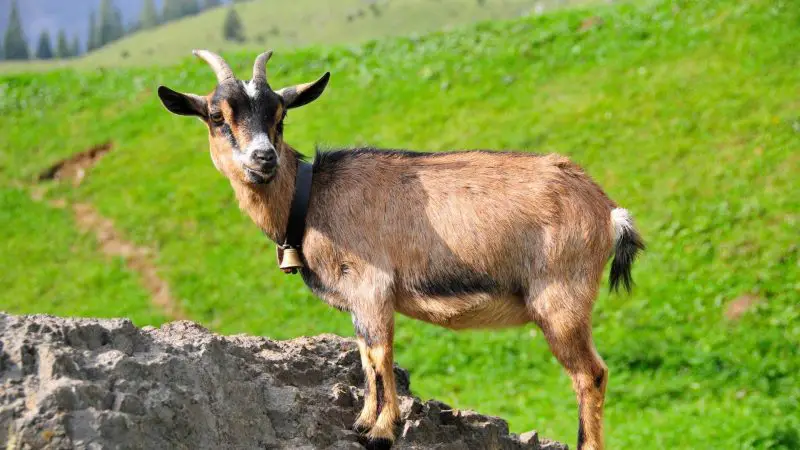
(221, 68)
(260, 66)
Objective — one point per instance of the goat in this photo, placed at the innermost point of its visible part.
(462, 239)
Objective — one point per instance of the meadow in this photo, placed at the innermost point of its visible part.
(686, 112)
(278, 24)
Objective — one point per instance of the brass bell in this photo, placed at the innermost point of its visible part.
(291, 260)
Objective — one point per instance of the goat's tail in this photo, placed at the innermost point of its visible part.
(627, 244)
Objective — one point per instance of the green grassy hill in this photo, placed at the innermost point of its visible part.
(278, 24)
(686, 112)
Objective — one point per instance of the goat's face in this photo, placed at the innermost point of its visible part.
(244, 118)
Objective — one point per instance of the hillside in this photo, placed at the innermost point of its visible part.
(684, 111)
(278, 24)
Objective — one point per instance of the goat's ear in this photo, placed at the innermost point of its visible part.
(183, 104)
(303, 94)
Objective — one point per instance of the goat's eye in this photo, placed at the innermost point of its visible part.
(217, 117)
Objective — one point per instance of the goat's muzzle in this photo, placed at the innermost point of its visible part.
(261, 166)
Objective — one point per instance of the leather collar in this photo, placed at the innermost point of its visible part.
(296, 225)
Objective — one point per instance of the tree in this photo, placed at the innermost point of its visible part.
(75, 48)
(175, 9)
(208, 4)
(172, 10)
(110, 26)
(44, 49)
(119, 25)
(232, 29)
(62, 46)
(149, 17)
(132, 27)
(15, 46)
(189, 7)
(91, 41)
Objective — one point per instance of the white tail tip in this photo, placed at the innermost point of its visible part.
(622, 221)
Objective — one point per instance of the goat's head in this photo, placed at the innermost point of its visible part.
(244, 118)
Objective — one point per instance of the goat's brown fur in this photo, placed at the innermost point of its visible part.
(461, 239)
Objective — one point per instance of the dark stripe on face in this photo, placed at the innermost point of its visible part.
(249, 116)
(234, 95)
(226, 131)
(263, 112)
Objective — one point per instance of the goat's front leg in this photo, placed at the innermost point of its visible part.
(375, 334)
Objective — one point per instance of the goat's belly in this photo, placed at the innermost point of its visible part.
(467, 311)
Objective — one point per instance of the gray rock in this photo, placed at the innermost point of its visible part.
(85, 383)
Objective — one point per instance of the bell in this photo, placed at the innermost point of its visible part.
(291, 260)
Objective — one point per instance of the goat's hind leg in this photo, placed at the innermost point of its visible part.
(565, 320)
(375, 333)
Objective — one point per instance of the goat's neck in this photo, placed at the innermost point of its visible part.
(268, 205)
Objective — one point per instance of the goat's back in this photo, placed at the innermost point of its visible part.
(491, 220)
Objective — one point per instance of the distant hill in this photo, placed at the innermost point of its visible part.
(281, 24)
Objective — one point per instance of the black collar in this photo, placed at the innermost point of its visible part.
(296, 225)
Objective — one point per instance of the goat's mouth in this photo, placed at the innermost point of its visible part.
(259, 176)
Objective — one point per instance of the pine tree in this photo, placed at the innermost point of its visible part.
(110, 26)
(91, 41)
(149, 17)
(44, 50)
(208, 4)
(232, 29)
(172, 10)
(62, 46)
(14, 44)
(120, 29)
(75, 48)
(132, 27)
(189, 7)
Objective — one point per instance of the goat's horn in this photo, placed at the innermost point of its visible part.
(221, 68)
(260, 66)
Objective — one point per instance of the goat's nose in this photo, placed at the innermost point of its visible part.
(263, 156)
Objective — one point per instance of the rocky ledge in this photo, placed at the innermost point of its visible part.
(86, 383)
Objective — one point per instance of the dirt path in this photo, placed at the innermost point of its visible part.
(137, 259)
(112, 243)
(75, 167)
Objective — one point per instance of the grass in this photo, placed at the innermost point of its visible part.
(49, 267)
(685, 112)
(277, 24)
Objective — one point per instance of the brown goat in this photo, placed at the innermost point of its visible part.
(459, 239)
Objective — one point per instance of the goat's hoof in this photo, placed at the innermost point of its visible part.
(379, 444)
(361, 428)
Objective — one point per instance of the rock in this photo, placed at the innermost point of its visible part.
(531, 437)
(86, 383)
